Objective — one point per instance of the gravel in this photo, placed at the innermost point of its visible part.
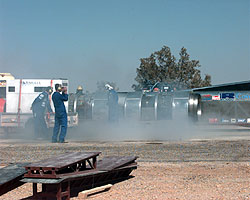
(203, 169)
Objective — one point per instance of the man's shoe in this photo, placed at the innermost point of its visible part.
(63, 141)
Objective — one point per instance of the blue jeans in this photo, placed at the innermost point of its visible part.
(60, 122)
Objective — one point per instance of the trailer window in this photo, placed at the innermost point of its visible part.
(11, 89)
(64, 84)
(39, 89)
(2, 92)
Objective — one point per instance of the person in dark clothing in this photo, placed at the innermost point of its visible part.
(61, 120)
(112, 104)
(39, 107)
(82, 105)
(79, 90)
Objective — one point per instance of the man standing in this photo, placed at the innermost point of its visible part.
(112, 103)
(60, 113)
(39, 107)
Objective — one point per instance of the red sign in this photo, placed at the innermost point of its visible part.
(216, 97)
(213, 120)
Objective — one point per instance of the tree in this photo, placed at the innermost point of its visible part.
(161, 66)
(206, 81)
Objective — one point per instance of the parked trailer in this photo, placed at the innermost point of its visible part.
(134, 106)
(156, 106)
(148, 106)
(20, 93)
(128, 105)
(226, 104)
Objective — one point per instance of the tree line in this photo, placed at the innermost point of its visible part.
(162, 66)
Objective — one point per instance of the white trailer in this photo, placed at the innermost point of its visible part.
(20, 93)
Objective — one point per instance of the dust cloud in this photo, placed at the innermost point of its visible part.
(179, 128)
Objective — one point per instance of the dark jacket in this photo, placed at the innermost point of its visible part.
(58, 100)
(40, 104)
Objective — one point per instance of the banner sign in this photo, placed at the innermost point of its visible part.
(227, 96)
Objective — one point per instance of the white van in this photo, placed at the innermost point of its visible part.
(20, 93)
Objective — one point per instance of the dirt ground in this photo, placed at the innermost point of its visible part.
(193, 169)
(173, 181)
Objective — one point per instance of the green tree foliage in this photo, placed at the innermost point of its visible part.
(162, 66)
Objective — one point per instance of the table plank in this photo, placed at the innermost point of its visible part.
(11, 172)
(112, 162)
(64, 160)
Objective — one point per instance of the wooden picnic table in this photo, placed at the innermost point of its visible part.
(65, 175)
(62, 164)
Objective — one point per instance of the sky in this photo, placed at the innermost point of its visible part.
(89, 41)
